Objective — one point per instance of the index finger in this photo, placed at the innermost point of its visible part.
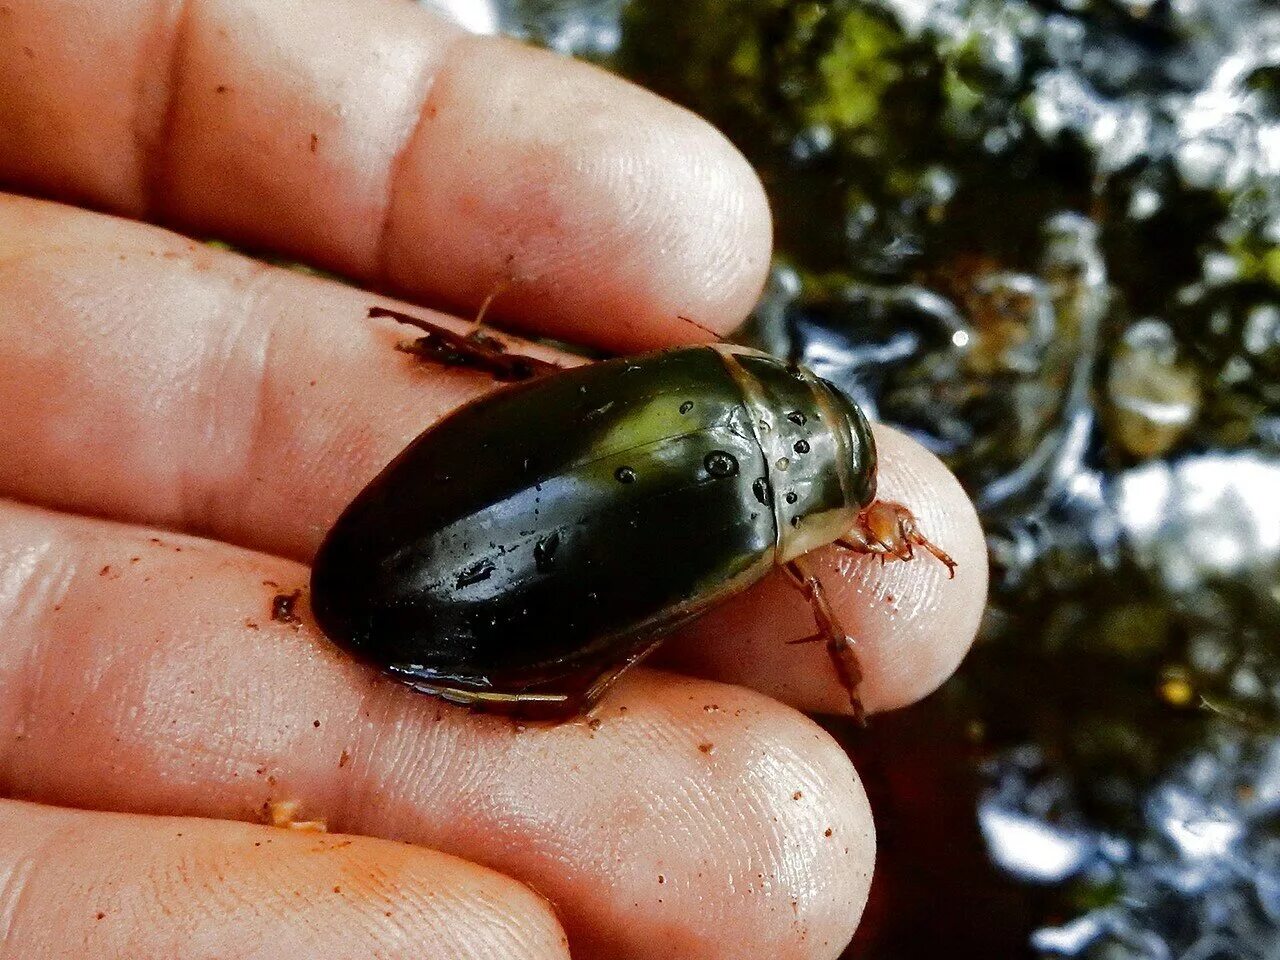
(381, 142)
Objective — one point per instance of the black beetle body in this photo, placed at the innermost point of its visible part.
(531, 546)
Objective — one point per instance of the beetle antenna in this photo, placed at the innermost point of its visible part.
(694, 323)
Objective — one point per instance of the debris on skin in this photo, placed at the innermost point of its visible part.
(284, 814)
(282, 605)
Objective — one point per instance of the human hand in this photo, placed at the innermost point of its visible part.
(182, 425)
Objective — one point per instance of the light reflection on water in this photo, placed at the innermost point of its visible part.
(1097, 355)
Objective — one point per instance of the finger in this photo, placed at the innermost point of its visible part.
(163, 677)
(104, 885)
(381, 142)
(910, 622)
(167, 383)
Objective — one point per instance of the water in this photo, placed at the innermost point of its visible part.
(1042, 236)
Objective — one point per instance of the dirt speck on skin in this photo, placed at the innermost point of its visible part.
(594, 724)
(105, 571)
(282, 607)
(315, 142)
(707, 748)
(797, 795)
(343, 759)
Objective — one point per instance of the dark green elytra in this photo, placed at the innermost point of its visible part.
(531, 546)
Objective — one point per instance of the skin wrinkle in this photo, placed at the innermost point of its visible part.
(429, 83)
(394, 761)
(21, 881)
(154, 150)
(36, 596)
(235, 383)
(356, 791)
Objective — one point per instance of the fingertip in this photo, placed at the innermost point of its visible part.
(610, 215)
(916, 620)
(912, 623)
(757, 838)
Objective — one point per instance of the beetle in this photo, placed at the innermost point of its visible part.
(527, 549)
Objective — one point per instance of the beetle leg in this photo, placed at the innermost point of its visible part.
(890, 530)
(840, 646)
(475, 349)
(477, 324)
(611, 676)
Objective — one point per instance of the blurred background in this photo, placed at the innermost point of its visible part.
(1043, 236)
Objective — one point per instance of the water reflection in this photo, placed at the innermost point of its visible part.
(1043, 236)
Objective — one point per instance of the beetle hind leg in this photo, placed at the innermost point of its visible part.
(840, 646)
(891, 531)
(474, 349)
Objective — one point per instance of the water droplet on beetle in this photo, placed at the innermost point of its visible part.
(720, 464)
(544, 552)
(791, 497)
(802, 446)
(760, 487)
(686, 406)
(782, 463)
(798, 418)
(625, 475)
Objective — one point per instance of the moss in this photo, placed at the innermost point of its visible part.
(856, 72)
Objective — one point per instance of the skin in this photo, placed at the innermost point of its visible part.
(210, 416)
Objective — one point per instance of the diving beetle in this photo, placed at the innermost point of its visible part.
(524, 551)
